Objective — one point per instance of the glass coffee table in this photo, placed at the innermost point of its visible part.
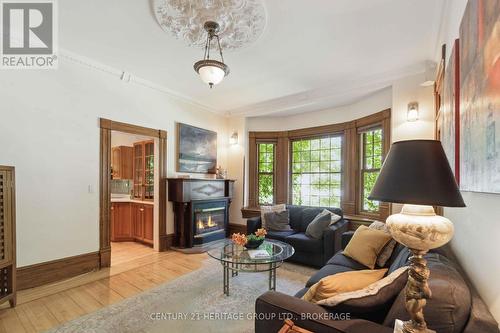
(235, 259)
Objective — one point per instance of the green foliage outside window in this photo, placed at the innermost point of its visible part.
(317, 171)
(266, 173)
(371, 164)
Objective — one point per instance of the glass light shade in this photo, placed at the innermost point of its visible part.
(211, 75)
(412, 114)
(233, 139)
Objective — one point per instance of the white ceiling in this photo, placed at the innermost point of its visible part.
(313, 54)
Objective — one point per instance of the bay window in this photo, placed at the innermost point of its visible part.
(327, 166)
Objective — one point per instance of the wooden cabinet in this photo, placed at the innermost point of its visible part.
(121, 222)
(148, 223)
(122, 162)
(143, 170)
(7, 236)
(143, 222)
(138, 212)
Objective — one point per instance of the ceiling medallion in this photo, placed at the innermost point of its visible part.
(241, 22)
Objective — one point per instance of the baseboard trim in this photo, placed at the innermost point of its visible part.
(166, 242)
(105, 257)
(240, 228)
(52, 271)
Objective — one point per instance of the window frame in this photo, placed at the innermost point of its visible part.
(258, 143)
(314, 137)
(363, 169)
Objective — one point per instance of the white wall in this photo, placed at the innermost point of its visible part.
(408, 90)
(50, 133)
(477, 231)
(236, 166)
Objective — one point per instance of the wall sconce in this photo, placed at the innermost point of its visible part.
(233, 139)
(412, 114)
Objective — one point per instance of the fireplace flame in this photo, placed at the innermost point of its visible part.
(200, 225)
(204, 224)
(210, 223)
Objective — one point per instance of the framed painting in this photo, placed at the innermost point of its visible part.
(449, 117)
(480, 97)
(197, 149)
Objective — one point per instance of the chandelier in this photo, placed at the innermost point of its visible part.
(211, 71)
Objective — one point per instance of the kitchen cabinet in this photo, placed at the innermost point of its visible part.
(121, 222)
(143, 170)
(138, 212)
(143, 222)
(148, 223)
(122, 162)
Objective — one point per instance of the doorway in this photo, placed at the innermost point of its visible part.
(132, 190)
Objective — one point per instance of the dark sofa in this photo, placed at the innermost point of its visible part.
(455, 306)
(308, 251)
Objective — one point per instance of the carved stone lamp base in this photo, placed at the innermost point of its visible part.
(398, 328)
(420, 229)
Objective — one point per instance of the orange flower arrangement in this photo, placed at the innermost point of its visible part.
(239, 239)
(261, 232)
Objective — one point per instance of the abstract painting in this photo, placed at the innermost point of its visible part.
(197, 149)
(480, 97)
(449, 112)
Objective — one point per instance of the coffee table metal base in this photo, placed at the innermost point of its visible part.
(234, 269)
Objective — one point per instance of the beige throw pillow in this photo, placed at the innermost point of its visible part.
(268, 209)
(366, 244)
(389, 248)
(342, 282)
(374, 289)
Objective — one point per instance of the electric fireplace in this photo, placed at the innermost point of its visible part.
(201, 209)
(209, 220)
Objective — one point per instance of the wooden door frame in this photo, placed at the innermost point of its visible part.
(106, 126)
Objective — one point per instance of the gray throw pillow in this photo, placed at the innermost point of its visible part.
(386, 252)
(278, 221)
(318, 224)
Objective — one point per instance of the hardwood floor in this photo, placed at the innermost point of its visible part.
(134, 268)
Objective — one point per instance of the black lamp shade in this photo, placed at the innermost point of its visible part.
(417, 172)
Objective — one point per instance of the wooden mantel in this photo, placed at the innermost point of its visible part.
(188, 189)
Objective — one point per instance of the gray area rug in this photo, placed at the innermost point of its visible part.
(191, 303)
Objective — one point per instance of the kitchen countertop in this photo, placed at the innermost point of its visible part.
(127, 199)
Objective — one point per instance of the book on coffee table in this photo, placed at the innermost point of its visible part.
(258, 254)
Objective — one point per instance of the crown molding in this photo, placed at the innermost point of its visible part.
(335, 95)
(127, 77)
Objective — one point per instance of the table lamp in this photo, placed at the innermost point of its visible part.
(416, 173)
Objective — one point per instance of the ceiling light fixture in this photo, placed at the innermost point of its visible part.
(211, 71)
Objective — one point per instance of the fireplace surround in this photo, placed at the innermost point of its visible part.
(201, 209)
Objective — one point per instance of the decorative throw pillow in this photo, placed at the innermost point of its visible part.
(268, 209)
(278, 221)
(372, 296)
(335, 217)
(318, 224)
(389, 248)
(366, 244)
(342, 282)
